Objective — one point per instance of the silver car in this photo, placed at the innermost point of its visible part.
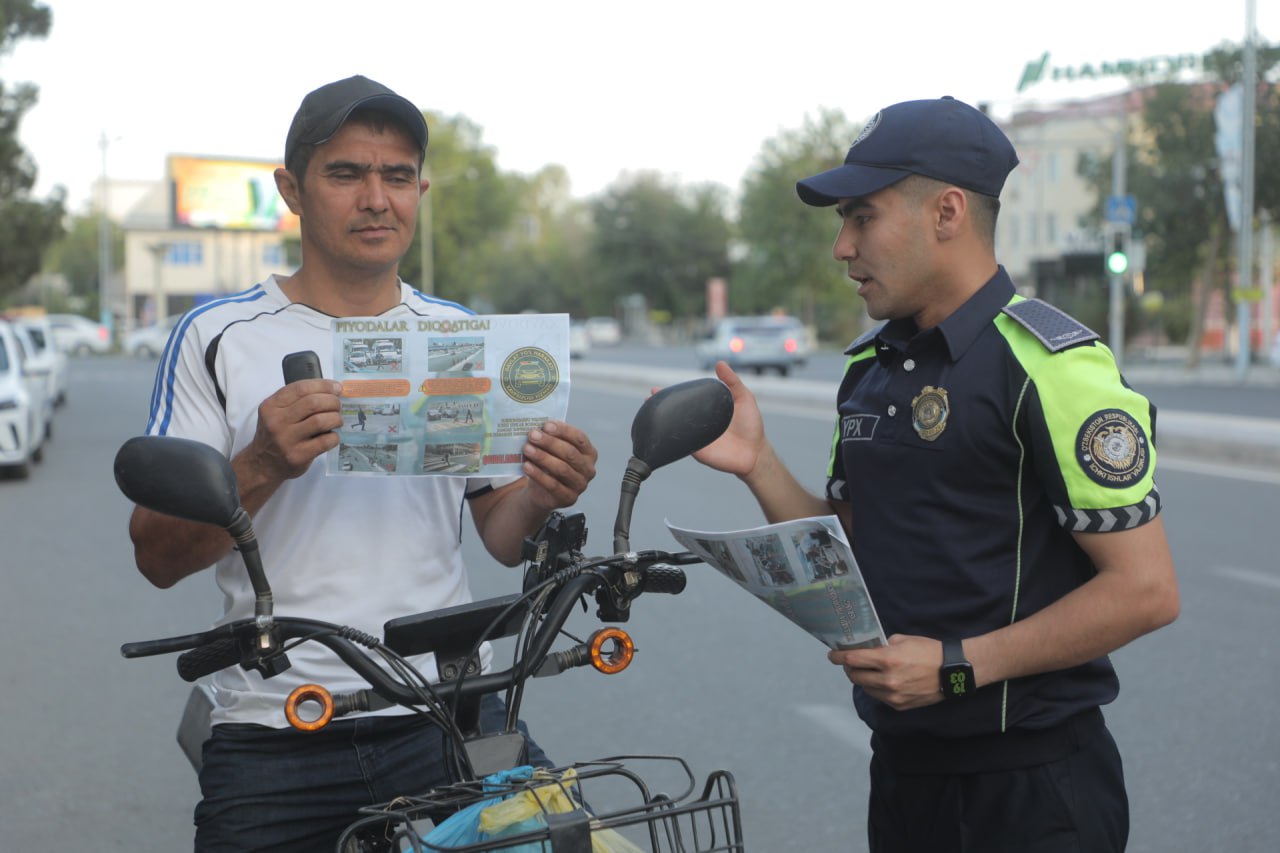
(755, 343)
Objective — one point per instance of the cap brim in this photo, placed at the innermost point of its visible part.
(851, 180)
(393, 104)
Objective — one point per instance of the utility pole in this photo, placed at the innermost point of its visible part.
(1244, 276)
(1119, 169)
(104, 246)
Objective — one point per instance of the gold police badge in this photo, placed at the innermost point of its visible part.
(929, 411)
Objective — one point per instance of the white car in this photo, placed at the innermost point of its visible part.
(579, 340)
(358, 356)
(39, 366)
(604, 331)
(47, 354)
(78, 335)
(149, 341)
(21, 407)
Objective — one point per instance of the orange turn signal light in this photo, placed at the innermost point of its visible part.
(305, 695)
(611, 650)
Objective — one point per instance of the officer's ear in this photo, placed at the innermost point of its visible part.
(951, 213)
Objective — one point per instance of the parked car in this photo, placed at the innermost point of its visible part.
(38, 366)
(47, 354)
(604, 331)
(755, 343)
(150, 341)
(358, 356)
(21, 408)
(579, 340)
(78, 335)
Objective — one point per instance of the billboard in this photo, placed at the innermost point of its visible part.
(241, 195)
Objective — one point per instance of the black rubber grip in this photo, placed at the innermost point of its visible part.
(664, 579)
(206, 659)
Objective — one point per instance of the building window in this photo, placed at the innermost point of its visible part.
(273, 255)
(1051, 167)
(1051, 229)
(1033, 231)
(185, 254)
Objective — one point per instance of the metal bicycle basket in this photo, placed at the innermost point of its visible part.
(612, 805)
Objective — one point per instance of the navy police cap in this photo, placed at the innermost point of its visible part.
(941, 138)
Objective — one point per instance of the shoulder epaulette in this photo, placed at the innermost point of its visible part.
(862, 342)
(1054, 328)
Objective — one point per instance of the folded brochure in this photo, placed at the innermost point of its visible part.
(804, 569)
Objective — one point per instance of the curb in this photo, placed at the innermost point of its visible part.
(1232, 439)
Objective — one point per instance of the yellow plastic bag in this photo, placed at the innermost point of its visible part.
(524, 810)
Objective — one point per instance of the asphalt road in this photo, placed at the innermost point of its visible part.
(89, 757)
(1168, 383)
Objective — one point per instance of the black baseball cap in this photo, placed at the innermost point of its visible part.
(323, 111)
(941, 138)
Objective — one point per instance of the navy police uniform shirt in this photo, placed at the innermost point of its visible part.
(969, 454)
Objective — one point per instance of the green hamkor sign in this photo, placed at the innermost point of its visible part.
(1039, 70)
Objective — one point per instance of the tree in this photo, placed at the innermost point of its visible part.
(1175, 176)
(470, 205)
(75, 257)
(27, 226)
(657, 240)
(544, 264)
(787, 261)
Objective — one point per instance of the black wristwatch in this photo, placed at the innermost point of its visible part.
(957, 673)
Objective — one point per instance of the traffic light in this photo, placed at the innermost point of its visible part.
(1117, 255)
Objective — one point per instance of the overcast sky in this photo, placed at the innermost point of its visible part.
(689, 88)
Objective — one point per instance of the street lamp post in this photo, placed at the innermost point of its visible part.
(426, 247)
(105, 315)
(161, 309)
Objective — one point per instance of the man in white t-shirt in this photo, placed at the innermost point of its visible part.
(356, 551)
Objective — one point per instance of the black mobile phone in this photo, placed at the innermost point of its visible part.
(301, 365)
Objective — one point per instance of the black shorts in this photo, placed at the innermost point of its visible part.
(1055, 792)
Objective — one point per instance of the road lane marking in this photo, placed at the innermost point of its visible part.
(1250, 576)
(842, 722)
(1232, 472)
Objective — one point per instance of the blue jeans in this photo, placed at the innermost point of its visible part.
(283, 790)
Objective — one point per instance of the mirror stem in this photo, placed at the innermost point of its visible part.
(637, 472)
(241, 529)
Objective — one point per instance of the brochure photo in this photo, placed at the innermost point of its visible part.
(803, 569)
(451, 396)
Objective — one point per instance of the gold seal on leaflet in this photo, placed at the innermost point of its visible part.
(529, 375)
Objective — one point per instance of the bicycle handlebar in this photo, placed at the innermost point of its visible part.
(255, 642)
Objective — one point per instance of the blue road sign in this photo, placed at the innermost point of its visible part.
(1122, 209)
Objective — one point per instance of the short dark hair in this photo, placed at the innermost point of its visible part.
(984, 209)
(374, 119)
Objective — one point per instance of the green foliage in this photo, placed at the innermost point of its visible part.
(657, 240)
(471, 204)
(75, 256)
(787, 261)
(27, 226)
(1173, 173)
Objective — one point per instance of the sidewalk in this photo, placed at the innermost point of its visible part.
(1234, 439)
(1220, 438)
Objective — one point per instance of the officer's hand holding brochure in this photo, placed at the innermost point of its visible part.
(804, 569)
(452, 396)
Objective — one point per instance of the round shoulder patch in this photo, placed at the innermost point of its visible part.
(1112, 449)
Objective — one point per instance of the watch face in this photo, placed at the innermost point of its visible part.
(957, 682)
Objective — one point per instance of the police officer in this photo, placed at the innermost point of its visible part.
(996, 477)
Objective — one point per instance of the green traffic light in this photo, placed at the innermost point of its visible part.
(1118, 263)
